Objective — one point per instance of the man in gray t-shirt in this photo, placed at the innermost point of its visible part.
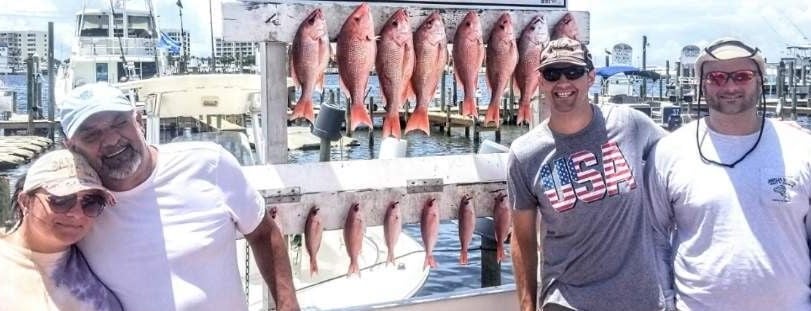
(582, 169)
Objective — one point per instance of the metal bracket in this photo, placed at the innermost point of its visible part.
(424, 185)
(283, 195)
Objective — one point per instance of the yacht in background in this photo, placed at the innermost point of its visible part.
(111, 45)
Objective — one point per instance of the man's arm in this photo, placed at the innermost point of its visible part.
(270, 252)
(525, 257)
(525, 249)
(660, 213)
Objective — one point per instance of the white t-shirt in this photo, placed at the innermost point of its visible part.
(741, 234)
(49, 281)
(169, 243)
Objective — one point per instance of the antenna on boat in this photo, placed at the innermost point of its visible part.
(123, 33)
(155, 35)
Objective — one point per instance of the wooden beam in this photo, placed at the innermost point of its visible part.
(257, 20)
(274, 101)
(334, 186)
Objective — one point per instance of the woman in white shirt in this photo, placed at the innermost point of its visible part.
(55, 205)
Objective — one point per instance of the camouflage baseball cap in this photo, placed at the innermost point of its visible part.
(565, 51)
(63, 172)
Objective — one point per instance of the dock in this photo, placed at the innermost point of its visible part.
(18, 150)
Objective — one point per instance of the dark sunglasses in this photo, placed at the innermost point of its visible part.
(92, 204)
(720, 78)
(571, 73)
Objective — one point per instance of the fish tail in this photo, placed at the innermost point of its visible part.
(390, 258)
(499, 251)
(418, 121)
(353, 268)
(469, 107)
(391, 126)
(303, 109)
(523, 114)
(492, 115)
(313, 266)
(463, 260)
(360, 117)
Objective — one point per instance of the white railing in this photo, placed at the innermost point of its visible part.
(133, 47)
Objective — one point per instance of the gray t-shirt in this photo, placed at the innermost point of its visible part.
(589, 187)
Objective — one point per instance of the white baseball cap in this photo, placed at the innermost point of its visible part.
(89, 99)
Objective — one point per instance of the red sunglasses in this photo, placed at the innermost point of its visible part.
(720, 78)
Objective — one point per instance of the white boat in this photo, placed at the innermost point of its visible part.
(114, 44)
(179, 108)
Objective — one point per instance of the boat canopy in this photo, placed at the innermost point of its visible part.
(606, 72)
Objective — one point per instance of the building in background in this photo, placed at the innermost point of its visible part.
(4, 68)
(22, 44)
(235, 52)
(186, 42)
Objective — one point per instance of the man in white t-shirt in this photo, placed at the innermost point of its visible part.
(730, 196)
(170, 242)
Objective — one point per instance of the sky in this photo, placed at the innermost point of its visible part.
(669, 25)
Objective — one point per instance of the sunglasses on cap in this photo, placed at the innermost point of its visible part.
(571, 73)
(720, 78)
(749, 49)
(92, 204)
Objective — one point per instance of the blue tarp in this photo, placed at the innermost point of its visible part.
(609, 71)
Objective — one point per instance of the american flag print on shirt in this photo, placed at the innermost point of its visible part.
(580, 176)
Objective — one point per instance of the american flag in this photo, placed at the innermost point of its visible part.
(616, 169)
(563, 169)
(588, 176)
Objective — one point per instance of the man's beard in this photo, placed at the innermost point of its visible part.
(122, 165)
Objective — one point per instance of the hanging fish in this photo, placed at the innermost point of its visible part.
(353, 237)
(468, 55)
(502, 218)
(356, 57)
(502, 56)
(312, 235)
(467, 223)
(431, 51)
(429, 227)
(309, 57)
(392, 226)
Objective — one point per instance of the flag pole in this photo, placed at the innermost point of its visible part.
(183, 55)
(211, 25)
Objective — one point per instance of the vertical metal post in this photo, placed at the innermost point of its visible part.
(348, 116)
(51, 77)
(678, 89)
(274, 100)
(644, 93)
(780, 83)
(793, 85)
(211, 31)
(325, 150)
(372, 127)
(30, 92)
